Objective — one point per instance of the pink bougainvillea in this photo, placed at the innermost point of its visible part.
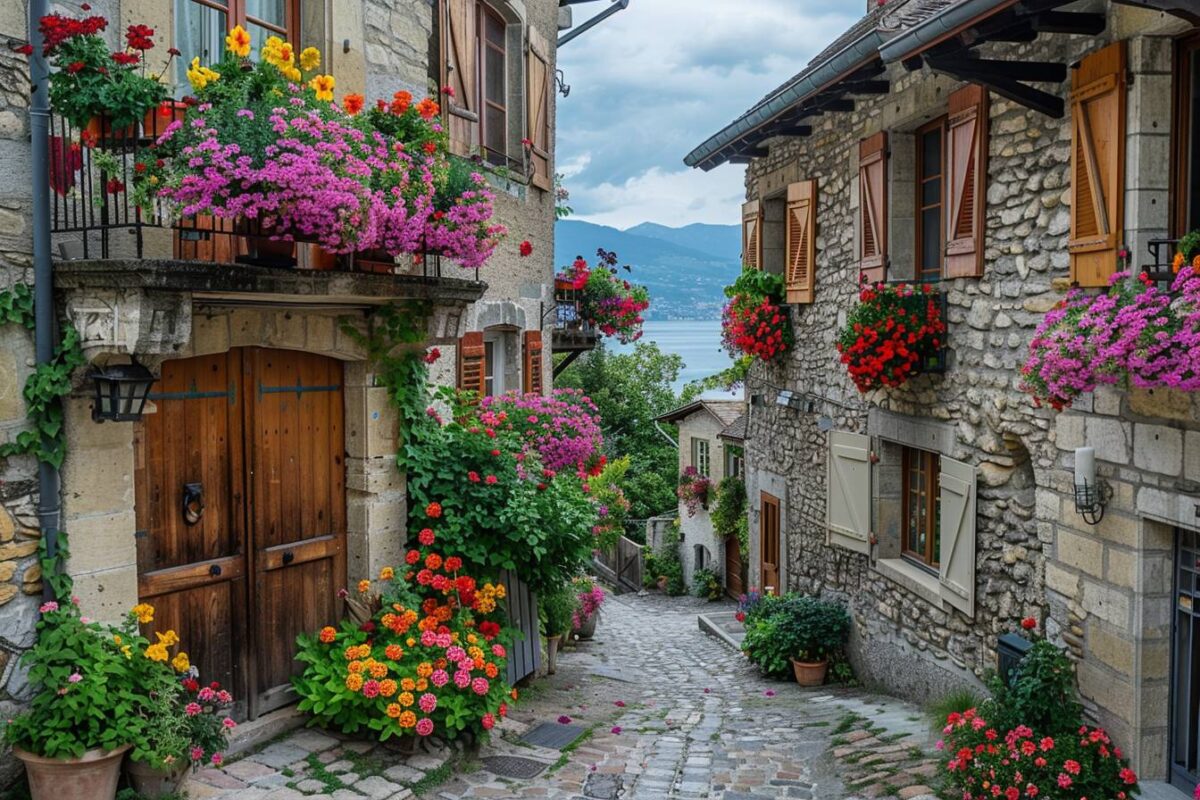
(563, 428)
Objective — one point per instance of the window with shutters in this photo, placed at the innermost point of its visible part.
(930, 199)
(921, 515)
(873, 207)
(1185, 191)
(700, 459)
(501, 357)
(1097, 109)
(801, 249)
(752, 222)
(493, 85)
(200, 27)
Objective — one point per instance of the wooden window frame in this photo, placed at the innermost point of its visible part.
(699, 442)
(929, 468)
(920, 273)
(1186, 49)
(235, 14)
(735, 461)
(485, 51)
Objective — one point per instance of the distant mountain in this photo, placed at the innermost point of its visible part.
(685, 268)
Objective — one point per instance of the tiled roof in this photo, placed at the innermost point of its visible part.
(725, 411)
(736, 430)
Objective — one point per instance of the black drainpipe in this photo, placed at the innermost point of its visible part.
(49, 484)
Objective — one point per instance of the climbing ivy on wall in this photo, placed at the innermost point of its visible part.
(45, 439)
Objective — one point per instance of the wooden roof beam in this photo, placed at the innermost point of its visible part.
(1036, 71)
(1004, 85)
(867, 87)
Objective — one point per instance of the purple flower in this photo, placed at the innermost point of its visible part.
(616, 729)
(564, 720)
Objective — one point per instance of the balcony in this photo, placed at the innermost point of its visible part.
(103, 238)
(573, 334)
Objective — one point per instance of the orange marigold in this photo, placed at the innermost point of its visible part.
(355, 667)
(408, 684)
(387, 688)
(408, 720)
(378, 669)
(491, 670)
(422, 685)
(401, 100)
(328, 634)
(424, 669)
(406, 699)
(428, 109)
(353, 103)
(393, 651)
(354, 682)
(394, 710)
(433, 561)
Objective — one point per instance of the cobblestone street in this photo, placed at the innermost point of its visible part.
(666, 712)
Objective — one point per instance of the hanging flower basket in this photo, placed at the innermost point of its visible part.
(607, 301)
(754, 322)
(693, 490)
(896, 332)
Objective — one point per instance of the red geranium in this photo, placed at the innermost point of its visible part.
(891, 334)
(526, 248)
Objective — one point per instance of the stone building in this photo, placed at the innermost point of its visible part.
(1001, 152)
(701, 425)
(262, 476)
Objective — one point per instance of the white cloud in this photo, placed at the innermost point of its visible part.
(655, 80)
(673, 198)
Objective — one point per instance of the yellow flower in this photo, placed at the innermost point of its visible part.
(292, 74)
(472, 638)
(238, 42)
(354, 682)
(126, 650)
(310, 58)
(501, 591)
(386, 574)
(180, 662)
(355, 667)
(364, 586)
(156, 652)
(410, 641)
(167, 639)
(144, 613)
(116, 638)
(422, 685)
(408, 719)
(200, 76)
(378, 670)
(323, 86)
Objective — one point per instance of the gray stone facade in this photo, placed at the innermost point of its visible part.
(1102, 591)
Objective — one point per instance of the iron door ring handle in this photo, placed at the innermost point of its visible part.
(193, 503)
(288, 557)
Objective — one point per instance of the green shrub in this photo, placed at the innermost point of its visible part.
(729, 513)
(956, 700)
(556, 609)
(1040, 693)
(706, 583)
(794, 627)
(665, 563)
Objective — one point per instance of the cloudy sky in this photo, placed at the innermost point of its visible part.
(655, 80)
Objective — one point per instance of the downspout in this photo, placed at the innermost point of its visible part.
(49, 483)
(674, 442)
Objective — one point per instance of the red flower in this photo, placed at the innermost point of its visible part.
(433, 355)
(126, 59)
(526, 249)
(173, 51)
(473, 476)
(448, 91)
(114, 186)
(431, 147)
(25, 49)
(425, 537)
(453, 564)
(1029, 623)
(527, 143)
(75, 66)
(490, 480)
(433, 511)
(140, 37)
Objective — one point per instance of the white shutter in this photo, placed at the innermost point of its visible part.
(848, 510)
(957, 570)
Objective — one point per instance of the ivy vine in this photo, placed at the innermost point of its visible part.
(45, 439)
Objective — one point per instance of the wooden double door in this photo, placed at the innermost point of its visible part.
(241, 512)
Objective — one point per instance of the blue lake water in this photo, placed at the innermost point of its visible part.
(697, 341)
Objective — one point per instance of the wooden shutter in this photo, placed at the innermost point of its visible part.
(533, 362)
(460, 70)
(752, 234)
(1097, 165)
(848, 499)
(966, 177)
(873, 206)
(801, 241)
(537, 109)
(471, 367)
(956, 572)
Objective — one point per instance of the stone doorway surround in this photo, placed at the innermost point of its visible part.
(156, 311)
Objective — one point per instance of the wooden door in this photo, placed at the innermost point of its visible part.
(296, 509)
(193, 569)
(241, 512)
(733, 567)
(768, 526)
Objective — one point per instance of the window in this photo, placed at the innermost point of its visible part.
(493, 83)
(201, 25)
(1186, 193)
(494, 363)
(922, 507)
(735, 463)
(930, 200)
(700, 455)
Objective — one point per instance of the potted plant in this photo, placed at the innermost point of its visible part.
(693, 490)
(754, 322)
(96, 686)
(105, 93)
(891, 335)
(796, 631)
(589, 598)
(557, 608)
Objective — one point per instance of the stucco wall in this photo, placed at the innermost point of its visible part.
(697, 530)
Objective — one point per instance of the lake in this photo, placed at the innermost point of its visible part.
(697, 341)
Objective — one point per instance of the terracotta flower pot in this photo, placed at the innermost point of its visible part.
(158, 118)
(100, 129)
(152, 783)
(378, 261)
(551, 654)
(92, 776)
(809, 673)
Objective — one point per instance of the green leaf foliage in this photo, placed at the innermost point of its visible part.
(794, 626)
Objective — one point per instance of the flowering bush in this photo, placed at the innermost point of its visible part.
(610, 303)
(563, 429)
(1134, 333)
(588, 599)
(983, 761)
(754, 322)
(97, 685)
(612, 507)
(891, 334)
(693, 490)
(263, 142)
(90, 81)
(430, 659)
(750, 605)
